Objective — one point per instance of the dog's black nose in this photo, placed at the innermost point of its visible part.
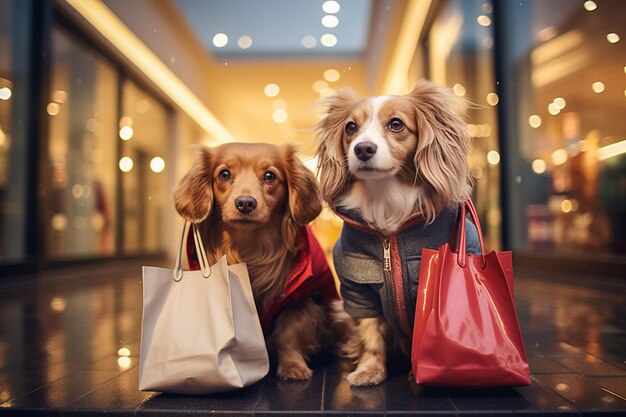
(245, 203)
(365, 150)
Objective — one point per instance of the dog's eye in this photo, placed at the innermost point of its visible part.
(351, 128)
(224, 175)
(395, 125)
(269, 177)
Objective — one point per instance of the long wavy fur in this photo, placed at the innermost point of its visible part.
(270, 251)
(440, 159)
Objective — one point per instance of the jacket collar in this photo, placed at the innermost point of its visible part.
(353, 219)
(302, 265)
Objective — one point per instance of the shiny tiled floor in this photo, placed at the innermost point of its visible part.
(60, 336)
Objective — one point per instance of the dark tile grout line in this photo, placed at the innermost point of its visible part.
(36, 389)
(549, 388)
(454, 407)
(256, 404)
(101, 385)
(323, 396)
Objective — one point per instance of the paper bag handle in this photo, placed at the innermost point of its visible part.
(205, 268)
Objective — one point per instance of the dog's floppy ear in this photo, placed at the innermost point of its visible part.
(332, 165)
(193, 198)
(305, 203)
(443, 145)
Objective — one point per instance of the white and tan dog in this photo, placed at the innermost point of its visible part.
(394, 168)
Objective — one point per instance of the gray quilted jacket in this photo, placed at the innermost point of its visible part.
(379, 273)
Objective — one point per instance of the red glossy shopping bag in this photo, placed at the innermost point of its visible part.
(466, 332)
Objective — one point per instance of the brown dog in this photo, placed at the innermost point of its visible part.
(253, 202)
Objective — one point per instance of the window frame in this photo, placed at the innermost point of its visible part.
(43, 18)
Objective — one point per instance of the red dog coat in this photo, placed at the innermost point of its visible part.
(310, 275)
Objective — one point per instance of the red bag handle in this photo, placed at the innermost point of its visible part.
(467, 206)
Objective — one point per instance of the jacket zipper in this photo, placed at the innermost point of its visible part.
(397, 293)
(386, 255)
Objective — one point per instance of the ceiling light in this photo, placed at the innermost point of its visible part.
(612, 37)
(331, 75)
(5, 92)
(459, 90)
(220, 40)
(330, 21)
(272, 90)
(328, 40)
(126, 121)
(483, 20)
(492, 99)
(126, 132)
(559, 157)
(331, 7)
(539, 166)
(279, 116)
(598, 87)
(553, 109)
(53, 109)
(157, 164)
(493, 157)
(59, 96)
(126, 164)
(534, 121)
(560, 102)
(590, 6)
(319, 85)
(244, 42)
(309, 42)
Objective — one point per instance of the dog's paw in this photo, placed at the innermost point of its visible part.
(294, 372)
(372, 375)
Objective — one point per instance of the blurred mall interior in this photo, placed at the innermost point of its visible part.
(101, 103)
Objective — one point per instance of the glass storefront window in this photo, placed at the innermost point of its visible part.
(6, 91)
(143, 162)
(81, 155)
(15, 68)
(570, 107)
(460, 55)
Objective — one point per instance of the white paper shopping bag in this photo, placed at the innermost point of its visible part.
(200, 330)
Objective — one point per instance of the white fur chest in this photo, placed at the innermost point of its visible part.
(385, 204)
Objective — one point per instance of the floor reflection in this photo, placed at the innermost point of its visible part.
(74, 343)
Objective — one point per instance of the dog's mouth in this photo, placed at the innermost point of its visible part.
(367, 171)
(367, 168)
(243, 222)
